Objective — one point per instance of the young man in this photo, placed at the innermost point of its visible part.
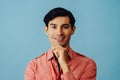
(60, 62)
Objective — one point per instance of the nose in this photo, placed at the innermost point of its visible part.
(59, 31)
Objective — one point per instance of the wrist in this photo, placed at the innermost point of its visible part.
(65, 68)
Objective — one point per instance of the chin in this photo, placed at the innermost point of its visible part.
(63, 45)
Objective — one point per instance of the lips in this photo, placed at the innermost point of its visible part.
(59, 39)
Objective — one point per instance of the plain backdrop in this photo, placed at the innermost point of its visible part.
(22, 36)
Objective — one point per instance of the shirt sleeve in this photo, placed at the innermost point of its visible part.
(90, 71)
(30, 71)
(68, 76)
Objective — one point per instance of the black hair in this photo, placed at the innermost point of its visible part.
(57, 12)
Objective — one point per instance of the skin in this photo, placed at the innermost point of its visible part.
(59, 32)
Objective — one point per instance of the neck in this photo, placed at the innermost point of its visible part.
(67, 47)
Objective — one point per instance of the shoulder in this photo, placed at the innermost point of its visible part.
(84, 58)
(38, 59)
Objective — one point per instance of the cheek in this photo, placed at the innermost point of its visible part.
(51, 37)
(50, 34)
(69, 34)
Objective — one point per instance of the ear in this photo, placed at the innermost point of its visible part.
(73, 30)
(46, 29)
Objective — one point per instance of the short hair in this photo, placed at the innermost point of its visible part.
(59, 12)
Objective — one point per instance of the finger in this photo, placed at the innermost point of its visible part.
(56, 53)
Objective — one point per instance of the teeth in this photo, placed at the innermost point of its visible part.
(59, 38)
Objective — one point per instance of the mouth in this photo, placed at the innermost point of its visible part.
(59, 39)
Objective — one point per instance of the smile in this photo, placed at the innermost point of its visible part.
(59, 39)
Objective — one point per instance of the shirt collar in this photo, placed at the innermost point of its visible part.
(70, 53)
(50, 54)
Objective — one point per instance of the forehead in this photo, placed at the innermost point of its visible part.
(60, 20)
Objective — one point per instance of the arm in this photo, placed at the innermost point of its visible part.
(30, 71)
(61, 54)
(90, 71)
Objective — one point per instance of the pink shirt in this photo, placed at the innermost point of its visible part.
(45, 67)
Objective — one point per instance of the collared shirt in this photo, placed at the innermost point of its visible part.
(45, 67)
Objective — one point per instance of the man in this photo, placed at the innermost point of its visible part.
(60, 62)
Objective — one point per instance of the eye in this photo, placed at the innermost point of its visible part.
(65, 26)
(53, 27)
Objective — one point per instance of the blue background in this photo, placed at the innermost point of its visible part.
(22, 37)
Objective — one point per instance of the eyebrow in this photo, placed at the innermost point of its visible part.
(61, 25)
(65, 24)
(53, 24)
